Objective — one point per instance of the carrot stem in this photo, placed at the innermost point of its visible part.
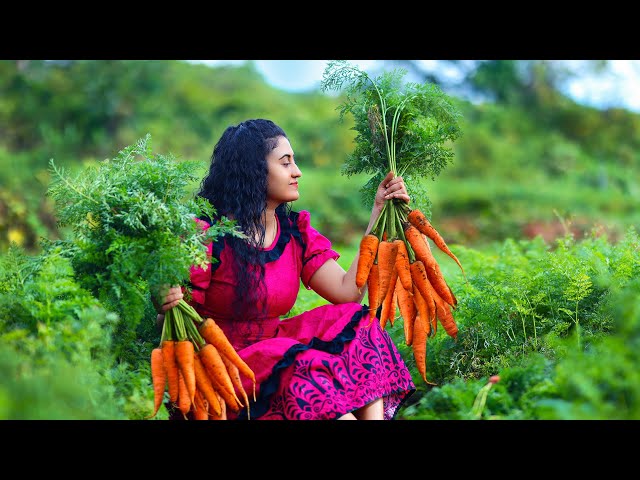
(190, 312)
(181, 328)
(193, 333)
(391, 222)
(375, 230)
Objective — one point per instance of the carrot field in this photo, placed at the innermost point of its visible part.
(537, 200)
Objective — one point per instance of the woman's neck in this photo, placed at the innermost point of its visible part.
(270, 223)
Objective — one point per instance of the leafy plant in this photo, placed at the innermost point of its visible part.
(579, 287)
(133, 226)
(55, 343)
(401, 127)
(405, 129)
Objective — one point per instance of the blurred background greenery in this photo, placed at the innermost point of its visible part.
(532, 168)
(530, 160)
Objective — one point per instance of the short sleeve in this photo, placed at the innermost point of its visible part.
(316, 248)
(201, 277)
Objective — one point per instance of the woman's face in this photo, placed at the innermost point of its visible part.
(282, 179)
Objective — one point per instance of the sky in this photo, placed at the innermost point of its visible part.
(619, 87)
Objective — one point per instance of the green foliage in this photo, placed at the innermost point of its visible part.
(518, 172)
(511, 318)
(133, 227)
(55, 343)
(22, 205)
(76, 110)
(340, 214)
(560, 327)
(65, 351)
(406, 128)
(132, 230)
(499, 79)
(602, 381)
(516, 164)
(55, 389)
(512, 322)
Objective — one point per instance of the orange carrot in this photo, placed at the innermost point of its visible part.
(423, 310)
(366, 256)
(373, 291)
(433, 319)
(219, 376)
(416, 241)
(223, 410)
(408, 327)
(158, 378)
(442, 308)
(388, 311)
(419, 220)
(184, 400)
(419, 347)
(445, 316)
(393, 307)
(234, 374)
(442, 312)
(419, 278)
(432, 307)
(387, 252)
(402, 265)
(184, 359)
(169, 357)
(201, 410)
(439, 284)
(204, 385)
(423, 253)
(407, 310)
(214, 335)
(421, 283)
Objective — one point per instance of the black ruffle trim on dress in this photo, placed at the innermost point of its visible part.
(270, 385)
(289, 228)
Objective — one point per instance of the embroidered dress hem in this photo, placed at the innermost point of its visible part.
(349, 364)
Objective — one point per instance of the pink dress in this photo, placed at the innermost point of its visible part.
(317, 365)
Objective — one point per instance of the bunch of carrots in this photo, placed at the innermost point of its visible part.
(198, 366)
(396, 264)
(403, 128)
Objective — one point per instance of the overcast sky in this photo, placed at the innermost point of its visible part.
(619, 87)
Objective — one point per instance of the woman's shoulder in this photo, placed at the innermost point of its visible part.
(299, 217)
(298, 222)
(301, 226)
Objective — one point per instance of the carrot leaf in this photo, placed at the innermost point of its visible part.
(404, 127)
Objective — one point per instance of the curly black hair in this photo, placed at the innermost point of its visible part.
(236, 186)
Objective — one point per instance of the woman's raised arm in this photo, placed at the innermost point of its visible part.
(331, 281)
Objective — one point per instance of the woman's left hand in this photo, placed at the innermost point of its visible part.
(389, 189)
(170, 297)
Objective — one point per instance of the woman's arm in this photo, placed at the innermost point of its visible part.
(331, 281)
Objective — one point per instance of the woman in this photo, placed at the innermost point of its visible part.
(328, 363)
